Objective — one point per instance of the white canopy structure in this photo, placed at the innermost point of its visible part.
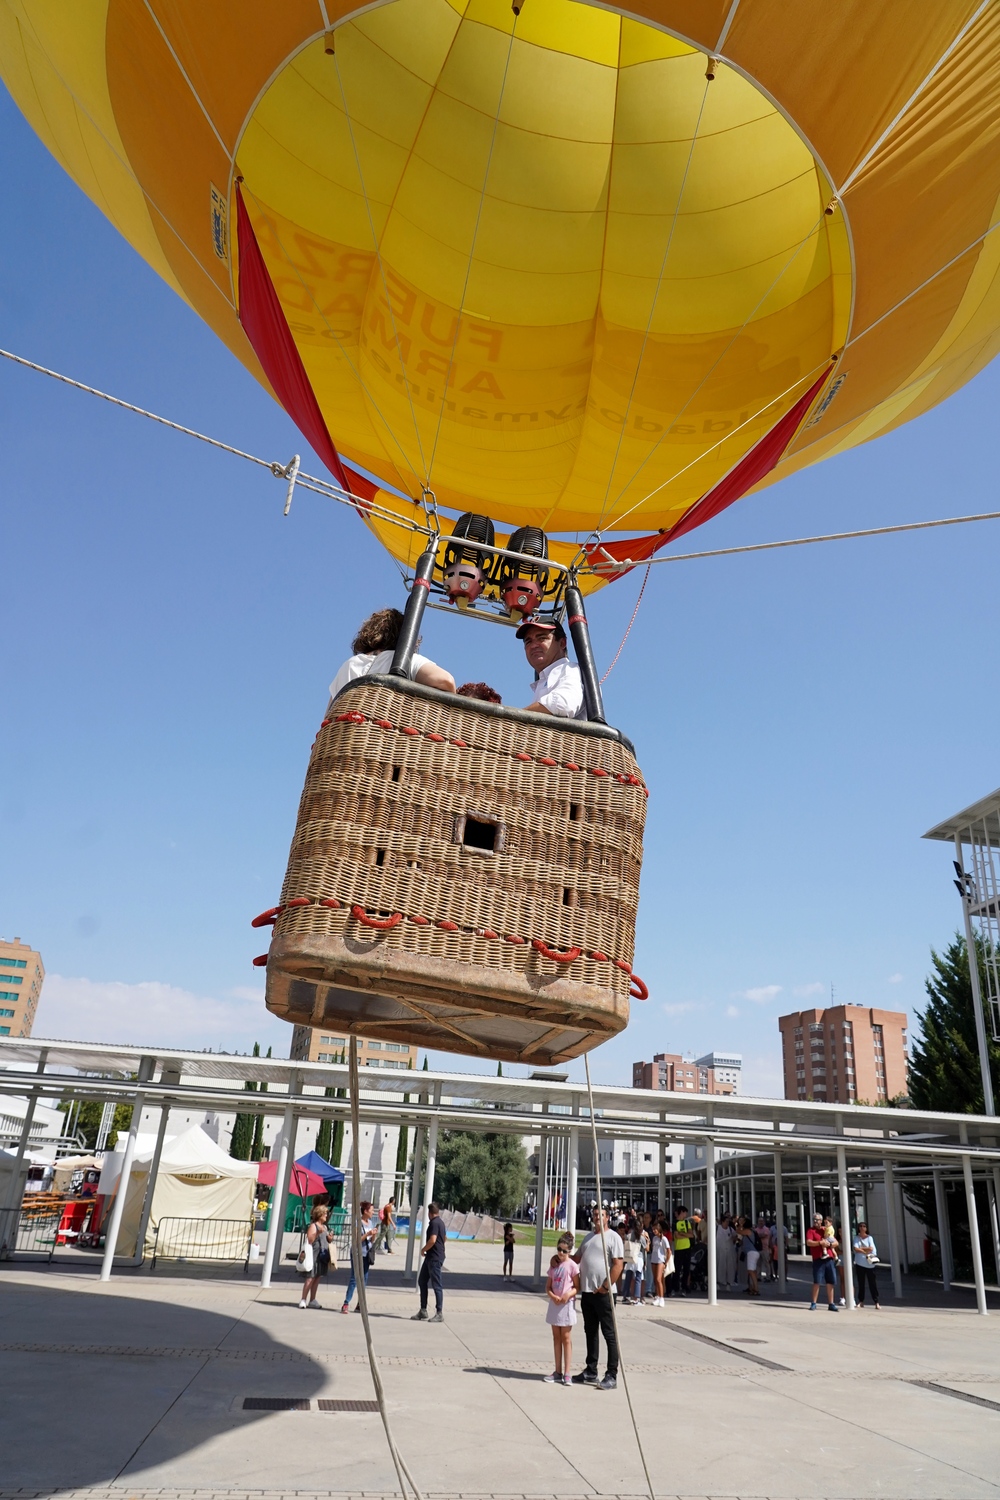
(196, 1181)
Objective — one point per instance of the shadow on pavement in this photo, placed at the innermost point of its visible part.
(96, 1384)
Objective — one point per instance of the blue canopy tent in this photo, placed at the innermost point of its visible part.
(333, 1181)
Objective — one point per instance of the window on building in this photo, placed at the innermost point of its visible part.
(374, 1046)
(334, 1041)
(647, 1156)
(4, 1031)
(327, 1057)
(395, 1047)
(6, 1012)
(13, 963)
(9, 995)
(11, 978)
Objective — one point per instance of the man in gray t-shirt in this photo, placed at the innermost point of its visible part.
(595, 1299)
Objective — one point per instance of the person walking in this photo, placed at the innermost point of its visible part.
(684, 1230)
(369, 1229)
(596, 1282)
(433, 1265)
(561, 1287)
(318, 1237)
(865, 1259)
(387, 1227)
(751, 1249)
(823, 1250)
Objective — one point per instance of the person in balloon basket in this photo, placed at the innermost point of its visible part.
(433, 1264)
(373, 648)
(558, 686)
(596, 1282)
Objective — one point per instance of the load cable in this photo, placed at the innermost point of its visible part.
(607, 1274)
(402, 1472)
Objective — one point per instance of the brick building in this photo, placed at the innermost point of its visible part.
(715, 1073)
(846, 1054)
(312, 1044)
(21, 976)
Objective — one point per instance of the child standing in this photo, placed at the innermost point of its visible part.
(561, 1288)
(508, 1252)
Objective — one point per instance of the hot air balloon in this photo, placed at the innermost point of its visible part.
(558, 271)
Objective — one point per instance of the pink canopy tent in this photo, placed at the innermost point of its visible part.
(304, 1184)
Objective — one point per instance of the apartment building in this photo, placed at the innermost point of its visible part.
(715, 1073)
(21, 975)
(313, 1044)
(845, 1054)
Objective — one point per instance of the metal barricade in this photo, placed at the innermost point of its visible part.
(203, 1239)
(42, 1222)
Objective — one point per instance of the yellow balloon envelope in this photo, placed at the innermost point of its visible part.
(593, 272)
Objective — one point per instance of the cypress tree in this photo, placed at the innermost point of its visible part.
(242, 1139)
(402, 1146)
(257, 1149)
(324, 1135)
(337, 1134)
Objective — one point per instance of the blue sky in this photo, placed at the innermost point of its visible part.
(166, 639)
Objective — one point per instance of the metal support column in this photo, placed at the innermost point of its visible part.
(989, 1107)
(711, 1222)
(944, 1230)
(406, 642)
(904, 1254)
(432, 1150)
(146, 1066)
(411, 1233)
(993, 1209)
(576, 619)
(12, 1206)
(779, 1226)
(573, 1176)
(890, 1214)
(846, 1234)
(151, 1175)
(977, 1249)
(279, 1197)
(540, 1195)
(661, 1182)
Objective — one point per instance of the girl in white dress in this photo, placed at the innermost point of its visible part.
(561, 1287)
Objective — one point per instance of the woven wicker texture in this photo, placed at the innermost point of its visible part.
(396, 782)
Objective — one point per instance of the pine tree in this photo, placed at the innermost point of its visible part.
(944, 1061)
(242, 1139)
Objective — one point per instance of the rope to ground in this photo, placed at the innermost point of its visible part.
(607, 1274)
(402, 1472)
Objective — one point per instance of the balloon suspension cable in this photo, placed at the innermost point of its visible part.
(402, 1472)
(428, 500)
(291, 473)
(607, 1276)
(631, 622)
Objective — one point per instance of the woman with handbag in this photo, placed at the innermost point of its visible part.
(314, 1257)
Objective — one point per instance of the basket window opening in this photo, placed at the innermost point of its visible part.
(480, 835)
(396, 772)
(574, 812)
(569, 896)
(379, 857)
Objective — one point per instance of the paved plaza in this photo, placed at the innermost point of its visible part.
(138, 1388)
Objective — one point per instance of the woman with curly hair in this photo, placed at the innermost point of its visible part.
(373, 648)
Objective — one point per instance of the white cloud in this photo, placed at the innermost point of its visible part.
(761, 995)
(243, 992)
(895, 979)
(761, 1077)
(679, 1010)
(803, 991)
(732, 1010)
(154, 1014)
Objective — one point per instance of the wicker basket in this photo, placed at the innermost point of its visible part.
(462, 876)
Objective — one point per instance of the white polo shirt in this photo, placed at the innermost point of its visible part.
(371, 661)
(559, 688)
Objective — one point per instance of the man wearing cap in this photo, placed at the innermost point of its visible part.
(558, 687)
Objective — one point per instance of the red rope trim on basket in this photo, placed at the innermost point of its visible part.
(638, 990)
(354, 717)
(383, 924)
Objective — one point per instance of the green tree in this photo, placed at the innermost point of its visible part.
(944, 1060)
(402, 1146)
(241, 1140)
(337, 1133)
(487, 1173)
(257, 1147)
(87, 1121)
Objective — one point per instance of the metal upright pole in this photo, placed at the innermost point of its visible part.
(282, 1177)
(406, 642)
(977, 1249)
(711, 1222)
(944, 1230)
(432, 1147)
(661, 1184)
(573, 1178)
(779, 1226)
(890, 1213)
(989, 1107)
(411, 1233)
(12, 1207)
(540, 1195)
(846, 1235)
(146, 1066)
(151, 1175)
(576, 619)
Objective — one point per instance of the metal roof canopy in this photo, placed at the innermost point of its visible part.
(473, 1101)
(960, 826)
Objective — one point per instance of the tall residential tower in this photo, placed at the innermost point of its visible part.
(21, 976)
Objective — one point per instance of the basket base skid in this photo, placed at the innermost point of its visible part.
(438, 1002)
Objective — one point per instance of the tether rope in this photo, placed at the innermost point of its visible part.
(621, 648)
(329, 491)
(607, 1273)
(402, 1472)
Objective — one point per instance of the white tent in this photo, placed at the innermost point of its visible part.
(197, 1186)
